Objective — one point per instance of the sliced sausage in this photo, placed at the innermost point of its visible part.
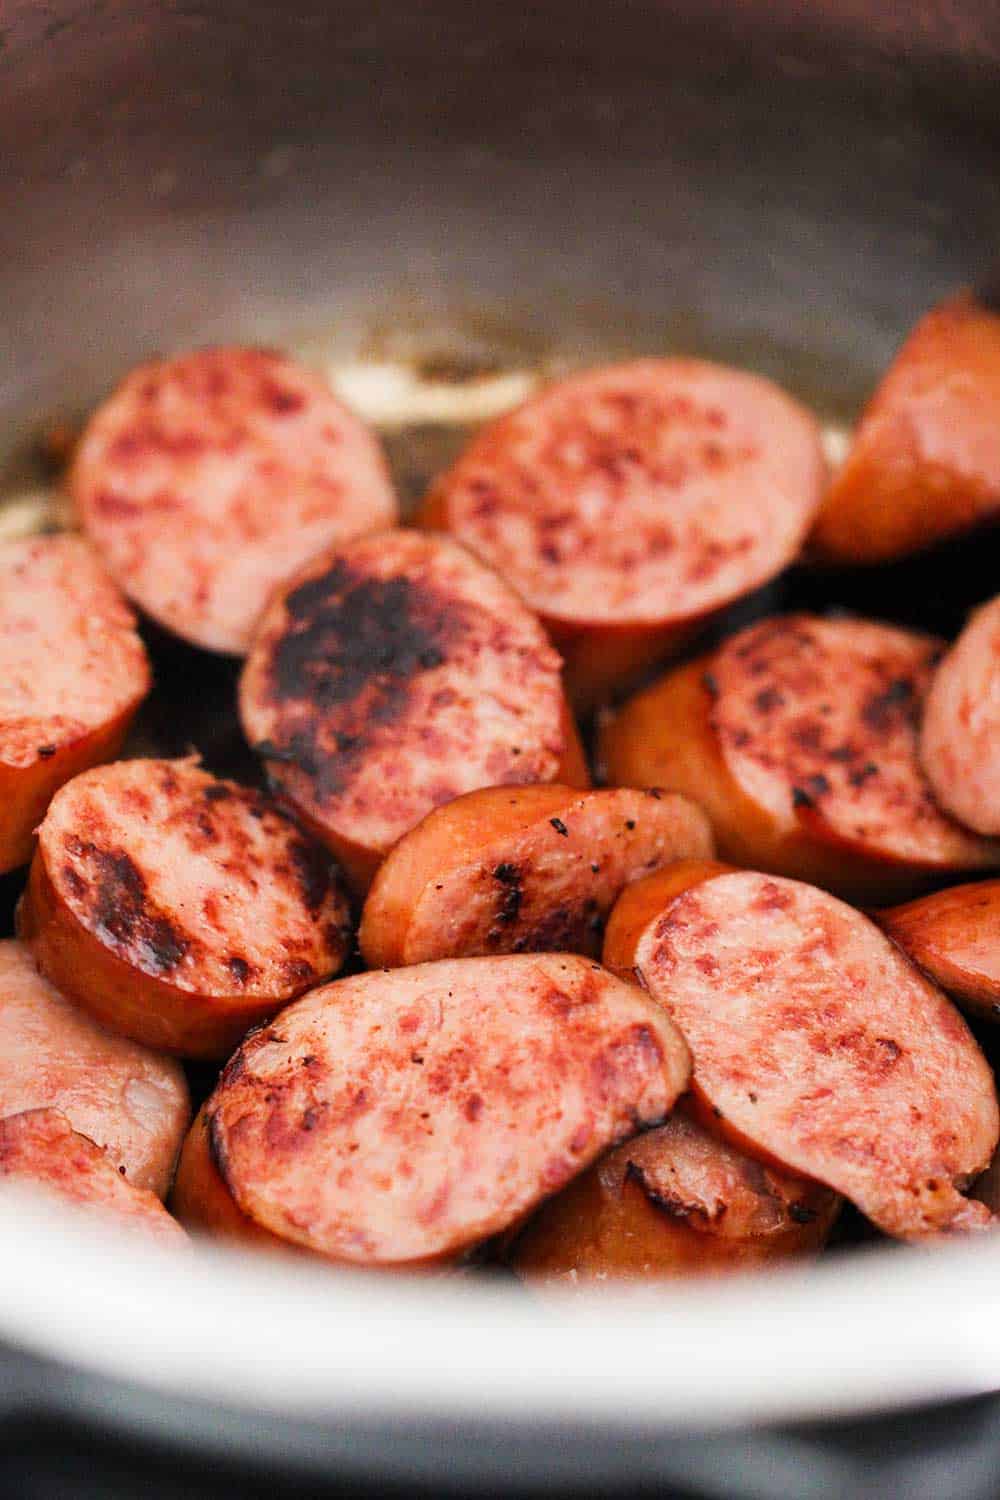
(673, 1202)
(401, 1118)
(925, 461)
(73, 671)
(521, 870)
(960, 740)
(799, 738)
(629, 503)
(392, 675)
(207, 479)
(129, 1100)
(41, 1150)
(816, 1044)
(177, 908)
(954, 935)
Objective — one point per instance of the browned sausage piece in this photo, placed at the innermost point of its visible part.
(42, 1150)
(799, 738)
(132, 1102)
(925, 463)
(207, 479)
(521, 870)
(627, 504)
(673, 1202)
(960, 741)
(73, 671)
(394, 674)
(179, 909)
(818, 1045)
(954, 935)
(400, 1118)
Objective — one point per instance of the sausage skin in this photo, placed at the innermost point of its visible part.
(925, 461)
(40, 1149)
(960, 739)
(207, 479)
(401, 1118)
(177, 908)
(129, 1100)
(816, 1044)
(521, 870)
(799, 738)
(73, 671)
(954, 936)
(673, 1202)
(392, 675)
(630, 503)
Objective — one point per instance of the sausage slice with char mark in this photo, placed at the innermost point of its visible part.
(521, 870)
(207, 479)
(399, 1119)
(925, 461)
(960, 738)
(40, 1149)
(177, 908)
(628, 504)
(134, 1103)
(816, 1044)
(673, 1202)
(954, 936)
(73, 671)
(391, 676)
(799, 738)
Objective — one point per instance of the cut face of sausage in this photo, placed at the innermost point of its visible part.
(42, 1150)
(207, 479)
(129, 1100)
(393, 675)
(637, 497)
(960, 741)
(519, 870)
(673, 1202)
(925, 463)
(402, 1118)
(817, 1044)
(178, 908)
(73, 671)
(954, 936)
(817, 722)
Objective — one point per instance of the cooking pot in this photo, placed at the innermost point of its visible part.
(475, 194)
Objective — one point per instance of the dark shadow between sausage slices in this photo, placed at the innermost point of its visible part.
(177, 908)
(399, 1119)
(815, 1043)
(393, 675)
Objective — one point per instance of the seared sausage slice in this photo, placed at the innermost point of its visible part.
(129, 1100)
(40, 1149)
(73, 671)
(392, 675)
(629, 503)
(207, 479)
(960, 741)
(799, 738)
(179, 909)
(401, 1118)
(954, 935)
(673, 1202)
(521, 870)
(925, 462)
(817, 1045)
